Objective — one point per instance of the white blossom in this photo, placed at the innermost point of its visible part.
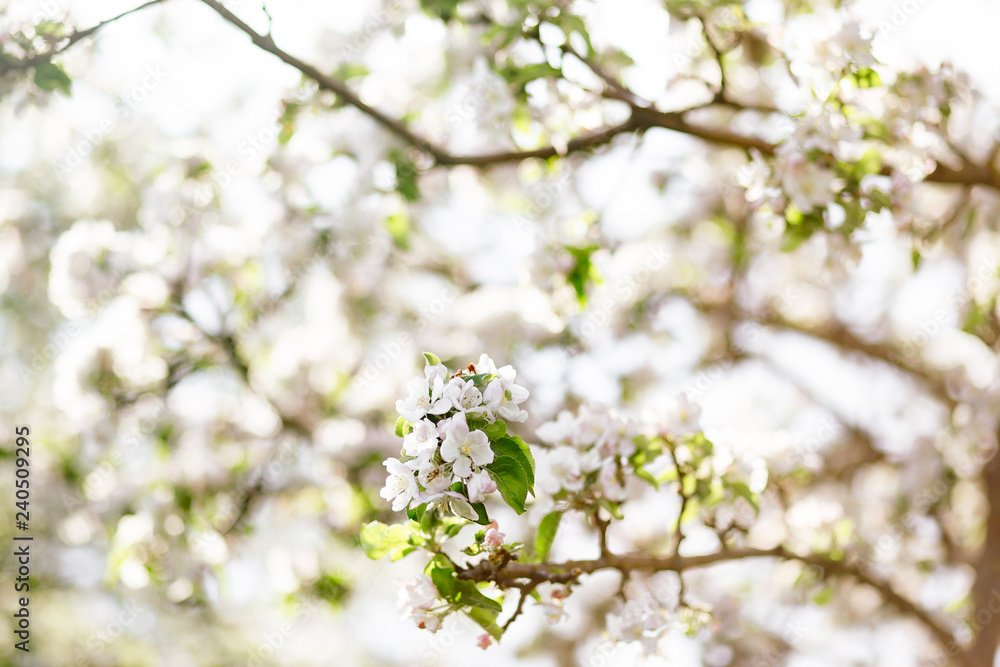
(560, 430)
(640, 622)
(480, 485)
(422, 441)
(434, 478)
(417, 593)
(424, 399)
(465, 448)
(560, 469)
(493, 538)
(470, 398)
(612, 487)
(682, 417)
(401, 486)
(806, 184)
(553, 597)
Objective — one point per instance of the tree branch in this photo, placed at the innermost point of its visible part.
(256, 483)
(988, 572)
(569, 571)
(71, 39)
(642, 118)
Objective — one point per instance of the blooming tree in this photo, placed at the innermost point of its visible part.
(742, 254)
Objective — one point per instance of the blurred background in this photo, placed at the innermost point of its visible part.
(217, 279)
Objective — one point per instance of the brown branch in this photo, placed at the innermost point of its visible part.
(642, 118)
(988, 572)
(326, 82)
(256, 487)
(71, 39)
(843, 338)
(627, 563)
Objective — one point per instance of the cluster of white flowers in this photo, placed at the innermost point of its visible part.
(588, 458)
(441, 448)
(553, 597)
(648, 610)
(417, 599)
(643, 622)
(820, 46)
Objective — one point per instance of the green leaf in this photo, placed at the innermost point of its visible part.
(427, 521)
(866, 77)
(741, 490)
(611, 507)
(521, 76)
(444, 580)
(49, 76)
(481, 511)
(824, 596)
(432, 359)
(869, 163)
(406, 176)
(398, 226)
(379, 540)
(487, 620)
(644, 474)
(50, 29)
(517, 449)
(416, 513)
(287, 121)
(496, 430)
(468, 594)
(401, 423)
(479, 379)
(458, 591)
(583, 271)
(402, 552)
(547, 534)
(512, 482)
(445, 9)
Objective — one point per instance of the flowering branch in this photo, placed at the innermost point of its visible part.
(570, 571)
(641, 119)
(11, 65)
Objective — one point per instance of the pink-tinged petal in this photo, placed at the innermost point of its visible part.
(437, 372)
(493, 394)
(483, 456)
(463, 467)
(440, 407)
(458, 428)
(518, 394)
(449, 449)
(395, 467)
(418, 387)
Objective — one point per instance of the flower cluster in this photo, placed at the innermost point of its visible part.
(456, 451)
(417, 600)
(589, 459)
(647, 611)
(447, 423)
